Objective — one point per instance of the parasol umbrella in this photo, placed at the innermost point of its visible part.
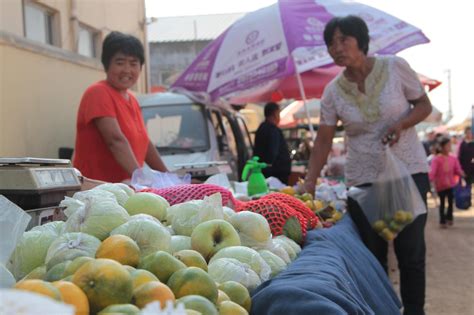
(281, 40)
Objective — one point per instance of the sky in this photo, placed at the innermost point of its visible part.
(445, 23)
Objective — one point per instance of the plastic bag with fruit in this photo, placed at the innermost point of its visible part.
(392, 201)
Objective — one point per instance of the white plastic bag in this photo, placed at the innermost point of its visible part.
(392, 201)
(184, 217)
(13, 222)
(147, 178)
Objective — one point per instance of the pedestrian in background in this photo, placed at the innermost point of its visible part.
(444, 172)
(466, 155)
(270, 145)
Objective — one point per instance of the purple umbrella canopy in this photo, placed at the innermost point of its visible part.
(281, 39)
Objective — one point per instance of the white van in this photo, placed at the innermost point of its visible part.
(188, 133)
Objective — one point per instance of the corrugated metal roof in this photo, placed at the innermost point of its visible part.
(181, 28)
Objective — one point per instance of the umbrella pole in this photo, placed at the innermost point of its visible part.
(303, 97)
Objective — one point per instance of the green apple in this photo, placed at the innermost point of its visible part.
(387, 235)
(379, 225)
(148, 203)
(209, 237)
(252, 227)
(394, 226)
(400, 217)
(408, 217)
(307, 196)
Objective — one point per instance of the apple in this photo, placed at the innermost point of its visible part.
(400, 217)
(395, 227)
(379, 225)
(306, 197)
(408, 217)
(253, 229)
(288, 190)
(310, 204)
(387, 235)
(148, 203)
(209, 237)
(337, 216)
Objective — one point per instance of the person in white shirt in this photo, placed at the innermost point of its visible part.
(378, 100)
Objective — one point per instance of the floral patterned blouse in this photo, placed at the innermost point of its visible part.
(366, 118)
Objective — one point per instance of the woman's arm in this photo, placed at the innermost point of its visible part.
(422, 108)
(319, 154)
(117, 143)
(153, 158)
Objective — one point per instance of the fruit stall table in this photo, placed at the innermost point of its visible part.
(334, 274)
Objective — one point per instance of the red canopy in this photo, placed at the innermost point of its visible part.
(314, 82)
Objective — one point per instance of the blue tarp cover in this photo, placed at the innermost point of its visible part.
(334, 274)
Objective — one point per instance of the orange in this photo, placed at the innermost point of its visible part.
(73, 295)
(120, 248)
(105, 282)
(193, 281)
(141, 276)
(152, 291)
(40, 287)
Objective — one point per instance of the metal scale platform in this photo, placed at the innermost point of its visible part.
(38, 185)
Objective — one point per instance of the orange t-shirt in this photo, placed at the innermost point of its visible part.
(92, 155)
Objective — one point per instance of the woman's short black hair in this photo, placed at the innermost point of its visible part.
(350, 25)
(270, 108)
(116, 42)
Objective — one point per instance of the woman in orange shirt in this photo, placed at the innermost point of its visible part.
(111, 139)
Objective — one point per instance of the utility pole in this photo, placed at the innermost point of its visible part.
(450, 105)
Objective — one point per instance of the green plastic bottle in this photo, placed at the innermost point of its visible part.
(256, 182)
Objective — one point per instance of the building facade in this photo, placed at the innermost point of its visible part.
(49, 54)
(176, 41)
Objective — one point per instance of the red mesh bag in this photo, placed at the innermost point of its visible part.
(182, 193)
(297, 205)
(281, 217)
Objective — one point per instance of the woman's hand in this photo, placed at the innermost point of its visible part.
(393, 134)
(309, 186)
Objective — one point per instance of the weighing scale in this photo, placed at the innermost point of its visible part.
(38, 185)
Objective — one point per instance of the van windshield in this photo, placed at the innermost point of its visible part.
(177, 128)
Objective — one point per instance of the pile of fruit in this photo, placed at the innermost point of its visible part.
(389, 227)
(326, 212)
(119, 251)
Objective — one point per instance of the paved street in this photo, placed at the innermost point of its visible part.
(450, 264)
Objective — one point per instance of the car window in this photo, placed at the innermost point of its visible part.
(177, 128)
(245, 134)
(230, 135)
